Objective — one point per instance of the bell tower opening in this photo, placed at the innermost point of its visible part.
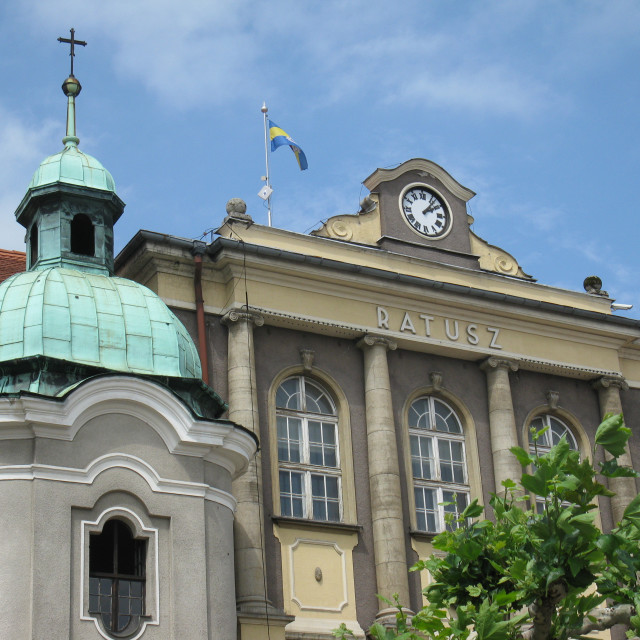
(33, 245)
(83, 240)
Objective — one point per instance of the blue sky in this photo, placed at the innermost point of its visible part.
(531, 104)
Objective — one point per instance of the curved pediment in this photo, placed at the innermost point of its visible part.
(427, 167)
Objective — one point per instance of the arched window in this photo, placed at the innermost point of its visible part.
(552, 436)
(83, 240)
(438, 463)
(117, 578)
(308, 455)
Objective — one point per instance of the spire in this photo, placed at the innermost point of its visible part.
(71, 203)
(71, 88)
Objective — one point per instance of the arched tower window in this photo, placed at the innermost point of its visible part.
(33, 244)
(308, 453)
(438, 463)
(82, 235)
(117, 578)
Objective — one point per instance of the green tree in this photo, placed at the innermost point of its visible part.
(540, 569)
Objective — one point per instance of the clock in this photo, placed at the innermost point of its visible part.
(425, 211)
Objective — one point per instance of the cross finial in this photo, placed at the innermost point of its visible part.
(72, 41)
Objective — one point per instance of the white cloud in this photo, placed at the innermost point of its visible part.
(24, 147)
(196, 53)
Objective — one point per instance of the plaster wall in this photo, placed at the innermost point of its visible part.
(276, 350)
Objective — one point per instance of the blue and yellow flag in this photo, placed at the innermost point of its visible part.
(280, 137)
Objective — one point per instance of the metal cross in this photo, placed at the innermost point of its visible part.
(72, 41)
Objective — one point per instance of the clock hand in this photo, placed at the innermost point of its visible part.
(433, 204)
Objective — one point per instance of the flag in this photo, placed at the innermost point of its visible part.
(279, 137)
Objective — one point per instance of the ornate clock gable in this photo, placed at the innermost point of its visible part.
(420, 210)
(423, 212)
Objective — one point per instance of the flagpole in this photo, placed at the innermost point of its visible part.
(266, 157)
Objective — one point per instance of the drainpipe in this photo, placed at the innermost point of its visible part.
(198, 249)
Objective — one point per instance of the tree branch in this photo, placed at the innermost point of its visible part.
(605, 618)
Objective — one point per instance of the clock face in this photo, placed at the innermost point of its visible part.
(426, 212)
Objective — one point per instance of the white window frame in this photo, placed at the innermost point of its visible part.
(304, 467)
(436, 483)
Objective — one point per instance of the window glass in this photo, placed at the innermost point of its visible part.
(308, 452)
(438, 463)
(117, 578)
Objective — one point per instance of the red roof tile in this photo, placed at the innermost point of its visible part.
(11, 262)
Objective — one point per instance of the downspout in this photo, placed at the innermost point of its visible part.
(198, 249)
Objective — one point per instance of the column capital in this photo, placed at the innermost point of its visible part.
(493, 363)
(234, 315)
(607, 382)
(371, 340)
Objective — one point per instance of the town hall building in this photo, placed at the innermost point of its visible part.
(252, 437)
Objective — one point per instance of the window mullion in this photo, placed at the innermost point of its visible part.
(308, 499)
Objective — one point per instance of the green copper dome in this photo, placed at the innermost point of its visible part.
(95, 320)
(72, 166)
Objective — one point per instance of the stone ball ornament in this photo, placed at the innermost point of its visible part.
(236, 205)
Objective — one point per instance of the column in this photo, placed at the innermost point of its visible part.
(255, 612)
(384, 476)
(502, 422)
(608, 389)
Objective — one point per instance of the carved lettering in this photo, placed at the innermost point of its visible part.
(453, 329)
(427, 324)
(383, 318)
(407, 325)
(447, 329)
(494, 338)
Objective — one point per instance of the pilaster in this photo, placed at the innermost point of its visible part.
(384, 475)
(256, 616)
(502, 422)
(608, 389)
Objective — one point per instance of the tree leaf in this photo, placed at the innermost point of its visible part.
(613, 435)
(611, 469)
(523, 456)
(472, 511)
(632, 512)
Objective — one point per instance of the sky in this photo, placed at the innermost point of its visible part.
(531, 104)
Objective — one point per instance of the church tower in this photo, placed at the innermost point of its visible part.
(116, 512)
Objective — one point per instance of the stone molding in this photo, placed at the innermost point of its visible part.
(607, 382)
(493, 363)
(239, 314)
(436, 380)
(220, 442)
(553, 397)
(371, 340)
(307, 356)
(88, 475)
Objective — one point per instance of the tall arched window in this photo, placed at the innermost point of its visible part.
(438, 463)
(308, 455)
(117, 578)
(83, 240)
(551, 437)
